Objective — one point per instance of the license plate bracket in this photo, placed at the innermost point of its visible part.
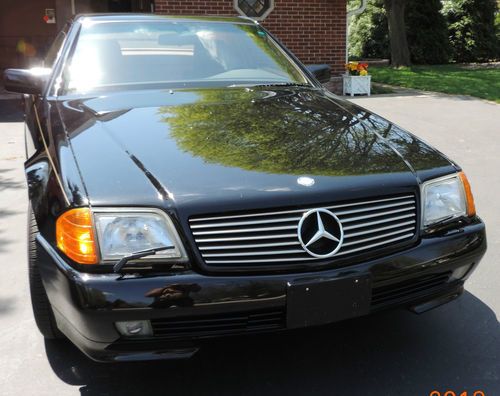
(321, 301)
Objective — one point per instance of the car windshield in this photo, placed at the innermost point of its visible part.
(176, 54)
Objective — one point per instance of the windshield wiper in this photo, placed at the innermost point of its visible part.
(287, 84)
(143, 253)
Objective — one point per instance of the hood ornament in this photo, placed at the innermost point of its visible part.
(305, 181)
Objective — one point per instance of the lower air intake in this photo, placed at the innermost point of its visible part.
(401, 292)
(219, 325)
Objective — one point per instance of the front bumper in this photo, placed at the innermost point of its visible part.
(185, 307)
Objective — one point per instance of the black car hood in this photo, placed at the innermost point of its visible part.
(223, 147)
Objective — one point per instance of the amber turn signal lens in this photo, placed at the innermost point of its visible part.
(75, 236)
(471, 207)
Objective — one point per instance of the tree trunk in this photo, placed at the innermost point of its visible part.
(400, 54)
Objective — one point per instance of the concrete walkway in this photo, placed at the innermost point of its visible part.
(455, 347)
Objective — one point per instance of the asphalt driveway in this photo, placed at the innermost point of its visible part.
(455, 347)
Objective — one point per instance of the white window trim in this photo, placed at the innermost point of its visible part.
(261, 18)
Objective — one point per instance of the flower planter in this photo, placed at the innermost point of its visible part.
(357, 85)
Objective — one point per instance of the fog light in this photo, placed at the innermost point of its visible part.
(460, 272)
(135, 328)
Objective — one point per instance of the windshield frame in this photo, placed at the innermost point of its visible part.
(62, 89)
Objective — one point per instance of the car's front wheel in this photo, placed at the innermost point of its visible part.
(44, 317)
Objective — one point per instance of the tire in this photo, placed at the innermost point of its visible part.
(42, 310)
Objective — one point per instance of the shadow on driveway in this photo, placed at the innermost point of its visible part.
(11, 110)
(455, 347)
(8, 182)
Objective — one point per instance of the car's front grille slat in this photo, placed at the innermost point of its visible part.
(262, 261)
(406, 236)
(271, 237)
(376, 222)
(238, 230)
(250, 246)
(244, 223)
(245, 238)
(255, 253)
(379, 214)
(379, 236)
(370, 231)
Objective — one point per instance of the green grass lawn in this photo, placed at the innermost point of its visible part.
(452, 79)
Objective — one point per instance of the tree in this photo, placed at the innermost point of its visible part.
(427, 32)
(497, 24)
(426, 29)
(368, 33)
(400, 53)
(471, 26)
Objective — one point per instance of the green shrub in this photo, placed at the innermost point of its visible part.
(471, 29)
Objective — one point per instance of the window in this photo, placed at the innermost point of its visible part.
(176, 54)
(256, 9)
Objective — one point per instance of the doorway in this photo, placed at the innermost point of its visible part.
(130, 6)
(93, 6)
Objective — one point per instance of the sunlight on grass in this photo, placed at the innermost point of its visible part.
(452, 79)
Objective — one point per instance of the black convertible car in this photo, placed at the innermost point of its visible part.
(190, 178)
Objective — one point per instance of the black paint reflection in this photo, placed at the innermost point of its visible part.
(282, 132)
(233, 143)
(418, 154)
(173, 295)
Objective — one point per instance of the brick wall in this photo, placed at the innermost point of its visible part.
(314, 30)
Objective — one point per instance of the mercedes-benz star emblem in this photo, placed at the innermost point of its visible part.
(320, 233)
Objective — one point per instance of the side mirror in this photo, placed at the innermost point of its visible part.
(26, 81)
(322, 73)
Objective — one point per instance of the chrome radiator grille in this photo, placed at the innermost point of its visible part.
(270, 237)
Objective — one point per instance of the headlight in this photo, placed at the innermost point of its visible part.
(446, 198)
(127, 231)
(114, 233)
